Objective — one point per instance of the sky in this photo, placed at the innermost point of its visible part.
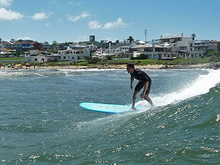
(76, 20)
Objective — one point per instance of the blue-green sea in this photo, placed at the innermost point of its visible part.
(41, 121)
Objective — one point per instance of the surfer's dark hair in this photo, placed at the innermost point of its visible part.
(130, 66)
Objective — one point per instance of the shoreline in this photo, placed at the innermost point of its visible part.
(122, 66)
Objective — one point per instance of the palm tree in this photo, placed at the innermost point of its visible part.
(193, 36)
(13, 41)
(130, 39)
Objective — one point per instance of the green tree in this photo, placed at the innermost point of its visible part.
(193, 36)
(13, 40)
(130, 39)
(55, 43)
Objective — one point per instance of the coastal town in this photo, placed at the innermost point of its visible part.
(162, 48)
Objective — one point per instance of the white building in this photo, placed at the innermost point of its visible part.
(198, 48)
(152, 50)
(177, 45)
(70, 55)
(174, 47)
(73, 55)
(120, 49)
(41, 58)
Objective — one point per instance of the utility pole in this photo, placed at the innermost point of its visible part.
(145, 33)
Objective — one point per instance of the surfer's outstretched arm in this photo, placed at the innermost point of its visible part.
(131, 85)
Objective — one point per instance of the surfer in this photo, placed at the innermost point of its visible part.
(144, 81)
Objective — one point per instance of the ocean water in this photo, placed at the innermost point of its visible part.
(41, 121)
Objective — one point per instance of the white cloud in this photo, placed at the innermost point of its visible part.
(94, 25)
(5, 2)
(108, 25)
(9, 15)
(40, 16)
(78, 17)
(116, 24)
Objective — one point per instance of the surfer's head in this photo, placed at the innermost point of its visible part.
(130, 68)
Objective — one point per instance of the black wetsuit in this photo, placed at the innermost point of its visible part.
(143, 78)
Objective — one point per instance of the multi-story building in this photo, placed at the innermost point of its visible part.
(121, 49)
(199, 48)
(92, 38)
(174, 47)
(25, 46)
(72, 55)
(152, 50)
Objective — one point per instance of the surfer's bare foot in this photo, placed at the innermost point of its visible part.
(133, 108)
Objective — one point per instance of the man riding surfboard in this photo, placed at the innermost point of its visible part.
(144, 82)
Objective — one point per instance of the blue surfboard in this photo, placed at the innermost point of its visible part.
(109, 108)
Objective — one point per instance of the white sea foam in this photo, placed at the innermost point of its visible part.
(4, 74)
(40, 75)
(83, 70)
(200, 86)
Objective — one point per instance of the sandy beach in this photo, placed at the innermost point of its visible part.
(204, 66)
